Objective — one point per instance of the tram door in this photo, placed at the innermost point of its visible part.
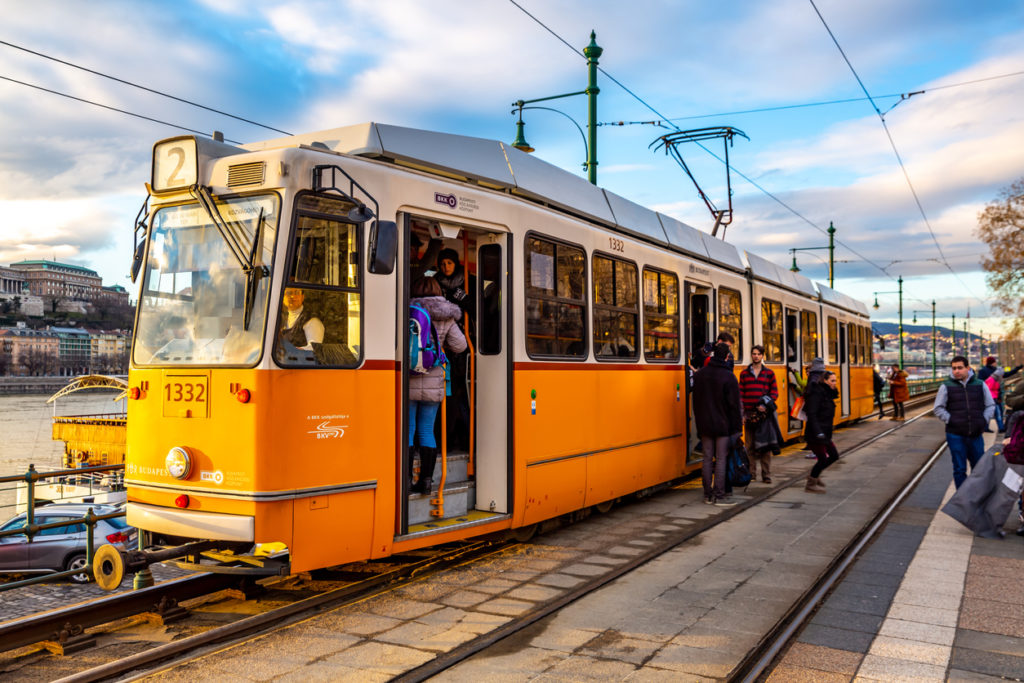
(793, 356)
(493, 352)
(698, 331)
(844, 370)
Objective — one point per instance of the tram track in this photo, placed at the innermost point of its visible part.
(328, 595)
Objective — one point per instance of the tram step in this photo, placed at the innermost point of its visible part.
(458, 500)
(458, 464)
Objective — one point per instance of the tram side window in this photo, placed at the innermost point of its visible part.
(809, 335)
(320, 316)
(661, 315)
(489, 272)
(730, 318)
(555, 299)
(616, 308)
(833, 340)
(868, 352)
(771, 330)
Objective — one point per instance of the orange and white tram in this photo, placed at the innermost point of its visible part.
(586, 305)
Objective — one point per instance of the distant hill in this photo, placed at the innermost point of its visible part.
(893, 328)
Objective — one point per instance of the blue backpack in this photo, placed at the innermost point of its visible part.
(425, 352)
(737, 466)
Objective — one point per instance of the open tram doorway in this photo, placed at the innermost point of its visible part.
(793, 355)
(698, 305)
(470, 479)
(844, 370)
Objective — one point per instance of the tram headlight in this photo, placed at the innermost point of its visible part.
(178, 462)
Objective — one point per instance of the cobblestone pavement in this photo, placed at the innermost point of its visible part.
(690, 614)
(49, 595)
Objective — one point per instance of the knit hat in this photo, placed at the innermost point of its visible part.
(450, 254)
(990, 360)
(817, 365)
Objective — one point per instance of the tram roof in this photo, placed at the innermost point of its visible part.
(840, 300)
(763, 269)
(494, 164)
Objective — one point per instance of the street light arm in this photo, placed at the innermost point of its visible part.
(586, 148)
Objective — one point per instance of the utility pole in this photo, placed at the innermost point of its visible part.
(831, 255)
(592, 52)
(934, 368)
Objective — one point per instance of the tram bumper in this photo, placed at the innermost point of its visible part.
(211, 526)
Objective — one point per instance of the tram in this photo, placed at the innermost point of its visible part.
(585, 308)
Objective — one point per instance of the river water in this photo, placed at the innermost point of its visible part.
(25, 433)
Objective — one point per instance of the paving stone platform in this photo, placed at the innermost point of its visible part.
(692, 614)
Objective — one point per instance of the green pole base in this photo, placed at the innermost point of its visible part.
(143, 579)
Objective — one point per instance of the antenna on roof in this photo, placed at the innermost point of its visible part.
(671, 141)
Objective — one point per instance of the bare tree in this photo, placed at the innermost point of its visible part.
(38, 362)
(1001, 227)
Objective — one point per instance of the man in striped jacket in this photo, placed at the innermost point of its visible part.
(756, 383)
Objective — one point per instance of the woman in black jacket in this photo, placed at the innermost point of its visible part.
(820, 407)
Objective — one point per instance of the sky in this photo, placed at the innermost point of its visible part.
(72, 174)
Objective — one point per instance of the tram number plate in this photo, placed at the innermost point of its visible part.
(186, 395)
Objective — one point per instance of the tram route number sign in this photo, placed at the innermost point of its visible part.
(185, 395)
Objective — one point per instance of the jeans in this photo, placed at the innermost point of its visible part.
(964, 449)
(826, 453)
(999, 416)
(421, 423)
(716, 450)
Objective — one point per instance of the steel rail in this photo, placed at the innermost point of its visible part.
(462, 652)
(46, 626)
(755, 665)
(285, 615)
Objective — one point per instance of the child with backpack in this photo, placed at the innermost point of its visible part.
(432, 327)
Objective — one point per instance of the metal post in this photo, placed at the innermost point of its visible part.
(143, 577)
(831, 255)
(592, 52)
(900, 281)
(952, 343)
(934, 368)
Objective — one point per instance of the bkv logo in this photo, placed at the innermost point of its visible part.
(325, 430)
(447, 199)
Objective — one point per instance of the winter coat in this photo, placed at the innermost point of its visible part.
(716, 400)
(898, 390)
(443, 314)
(820, 408)
(965, 407)
(455, 288)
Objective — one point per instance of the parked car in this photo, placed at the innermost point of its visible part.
(61, 548)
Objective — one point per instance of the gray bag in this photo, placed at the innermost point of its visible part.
(984, 501)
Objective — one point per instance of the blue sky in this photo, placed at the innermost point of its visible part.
(71, 175)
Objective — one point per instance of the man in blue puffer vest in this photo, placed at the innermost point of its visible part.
(965, 404)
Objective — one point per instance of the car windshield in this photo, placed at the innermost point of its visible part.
(191, 311)
(117, 522)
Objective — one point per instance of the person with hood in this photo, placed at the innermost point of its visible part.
(452, 278)
(965, 404)
(994, 377)
(899, 392)
(820, 407)
(716, 412)
(426, 391)
(815, 372)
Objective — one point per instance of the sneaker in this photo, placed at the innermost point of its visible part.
(1020, 531)
(711, 501)
(810, 456)
(726, 502)
(767, 480)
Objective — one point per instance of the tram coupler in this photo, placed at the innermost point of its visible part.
(110, 565)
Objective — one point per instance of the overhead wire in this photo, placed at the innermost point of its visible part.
(141, 87)
(738, 172)
(116, 109)
(899, 158)
(903, 97)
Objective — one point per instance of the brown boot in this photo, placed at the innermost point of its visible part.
(819, 482)
(812, 486)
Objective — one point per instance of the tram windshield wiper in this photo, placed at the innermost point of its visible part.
(234, 237)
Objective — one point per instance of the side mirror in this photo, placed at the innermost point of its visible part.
(383, 247)
(140, 249)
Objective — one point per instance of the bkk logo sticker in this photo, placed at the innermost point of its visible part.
(327, 426)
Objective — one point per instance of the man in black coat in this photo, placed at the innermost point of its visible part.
(716, 411)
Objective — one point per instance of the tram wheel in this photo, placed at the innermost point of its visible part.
(605, 506)
(524, 533)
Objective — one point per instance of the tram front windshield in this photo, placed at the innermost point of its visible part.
(192, 308)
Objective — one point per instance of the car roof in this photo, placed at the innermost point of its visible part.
(78, 509)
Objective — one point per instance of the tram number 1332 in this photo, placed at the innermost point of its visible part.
(185, 391)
